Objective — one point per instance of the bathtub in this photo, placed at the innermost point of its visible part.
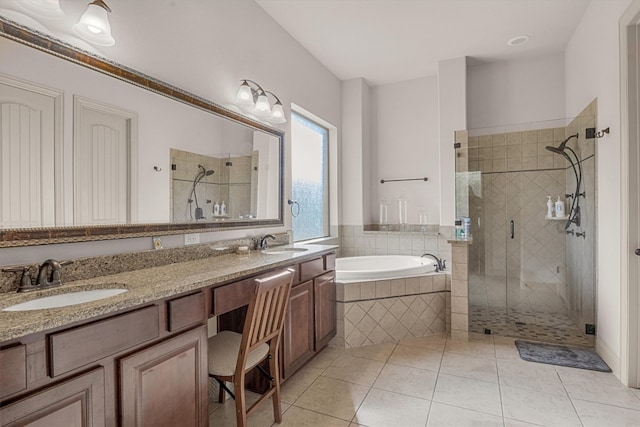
(382, 267)
(388, 298)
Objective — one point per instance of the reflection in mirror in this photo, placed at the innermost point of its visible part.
(251, 188)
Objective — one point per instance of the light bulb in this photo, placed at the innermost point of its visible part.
(244, 95)
(94, 24)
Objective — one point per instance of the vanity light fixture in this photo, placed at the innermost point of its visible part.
(252, 98)
(94, 24)
(48, 9)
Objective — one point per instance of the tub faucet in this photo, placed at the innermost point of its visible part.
(262, 243)
(441, 263)
(49, 274)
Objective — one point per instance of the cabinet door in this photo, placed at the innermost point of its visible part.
(78, 402)
(167, 384)
(297, 336)
(325, 309)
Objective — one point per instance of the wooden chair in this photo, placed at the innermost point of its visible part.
(232, 355)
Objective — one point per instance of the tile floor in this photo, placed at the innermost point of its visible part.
(478, 380)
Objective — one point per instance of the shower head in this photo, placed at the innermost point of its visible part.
(205, 172)
(560, 148)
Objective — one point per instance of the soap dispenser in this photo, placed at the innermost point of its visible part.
(559, 208)
(223, 209)
(549, 207)
(216, 209)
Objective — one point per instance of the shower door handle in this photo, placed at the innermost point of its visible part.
(512, 228)
(637, 251)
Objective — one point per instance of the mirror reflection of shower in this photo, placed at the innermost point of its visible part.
(193, 196)
(574, 212)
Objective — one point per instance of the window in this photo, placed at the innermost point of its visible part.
(310, 178)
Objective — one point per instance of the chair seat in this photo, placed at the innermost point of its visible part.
(223, 353)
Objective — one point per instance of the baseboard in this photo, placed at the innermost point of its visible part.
(609, 356)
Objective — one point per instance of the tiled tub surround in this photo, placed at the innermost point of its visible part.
(144, 285)
(387, 311)
(356, 240)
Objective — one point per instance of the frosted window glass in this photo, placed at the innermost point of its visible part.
(309, 173)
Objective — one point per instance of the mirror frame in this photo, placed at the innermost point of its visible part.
(67, 234)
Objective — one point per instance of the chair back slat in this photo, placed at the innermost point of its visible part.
(267, 308)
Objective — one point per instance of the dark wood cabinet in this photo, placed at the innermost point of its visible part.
(324, 290)
(167, 384)
(77, 402)
(297, 335)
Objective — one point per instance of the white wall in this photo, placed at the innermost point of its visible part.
(592, 71)
(516, 91)
(405, 125)
(210, 63)
(452, 116)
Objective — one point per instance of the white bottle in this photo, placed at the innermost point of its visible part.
(559, 208)
(549, 207)
(223, 209)
(216, 209)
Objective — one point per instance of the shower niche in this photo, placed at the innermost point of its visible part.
(201, 184)
(530, 277)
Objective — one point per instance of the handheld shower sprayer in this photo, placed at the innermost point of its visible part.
(201, 174)
(574, 212)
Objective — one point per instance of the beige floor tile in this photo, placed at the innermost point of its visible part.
(298, 417)
(529, 375)
(475, 347)
(379, 352)
(433, 342)
(325, 357)
(597, 415)
(298, 383)
(470, 367)
(636, 391)
(406, 380)
(416, 357)
(333, 397)
(467, 393)
(538, 408)
(387, 409)
(506, 348)
(451, 416)
(354, 370)
(225, 415)
(600, 387)
(508, 422)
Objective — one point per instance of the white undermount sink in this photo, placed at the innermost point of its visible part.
(276, 250)
(63, 300)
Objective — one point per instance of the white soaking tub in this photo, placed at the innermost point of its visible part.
(382, 267)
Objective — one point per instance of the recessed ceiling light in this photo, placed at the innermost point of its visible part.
(518, 40)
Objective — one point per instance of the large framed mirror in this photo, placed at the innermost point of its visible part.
(123, 154)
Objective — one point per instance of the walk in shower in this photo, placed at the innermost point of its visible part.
(530, 276)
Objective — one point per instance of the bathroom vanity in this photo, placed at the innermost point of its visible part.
(141, 357)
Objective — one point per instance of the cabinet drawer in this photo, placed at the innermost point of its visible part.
(229, 297)
(186, 311)
(13, 371)
(80, 346)
(311, 269)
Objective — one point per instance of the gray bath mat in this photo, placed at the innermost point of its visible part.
(574, 357)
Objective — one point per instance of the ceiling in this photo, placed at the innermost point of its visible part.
(386, 41)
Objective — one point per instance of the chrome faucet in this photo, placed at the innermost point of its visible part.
(441, 263)
(262, 243)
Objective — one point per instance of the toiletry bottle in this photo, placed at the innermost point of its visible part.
(549, 207)
(559, 208)
(223, 209)
(466, 226)
(216, 209)
(459, 230)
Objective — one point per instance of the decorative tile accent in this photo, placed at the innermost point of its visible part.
(392, 319)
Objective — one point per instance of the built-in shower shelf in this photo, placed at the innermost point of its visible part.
(556, 218)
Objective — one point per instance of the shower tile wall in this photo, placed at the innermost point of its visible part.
(231, 184)
(516, 167)
(580, 251)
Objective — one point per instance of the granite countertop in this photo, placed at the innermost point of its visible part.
(144, 286)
